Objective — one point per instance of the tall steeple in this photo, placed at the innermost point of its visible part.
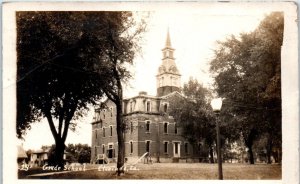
(168, 40)
(168, 77)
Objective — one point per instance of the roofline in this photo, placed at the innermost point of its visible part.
(168, 73)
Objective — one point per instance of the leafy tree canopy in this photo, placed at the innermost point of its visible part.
(247, 74)
(68, 60)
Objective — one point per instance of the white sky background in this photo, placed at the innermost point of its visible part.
(193, 36)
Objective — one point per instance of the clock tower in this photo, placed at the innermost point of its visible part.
(168, 77)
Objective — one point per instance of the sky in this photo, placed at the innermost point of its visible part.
(193, 36)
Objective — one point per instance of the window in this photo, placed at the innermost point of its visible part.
(104, 111)
(166, 147)
(101, 124)
(165, 107)
(148, 106)
(176, 131)
(131, 127)
(111, 130)
(165, 128)
(111, 112)
(97, 116)
(96, 133)
(103, 132)
(176, 147)
(186, 148)
(147, 126)
(147, 146)
(103, 148)
(131, 106)
(95, 151)
(131, 147)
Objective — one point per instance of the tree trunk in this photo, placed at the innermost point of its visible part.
(269, 149)
(120, 130)
(211, 154)
(249, 143)
(251, 157)
(59, 154)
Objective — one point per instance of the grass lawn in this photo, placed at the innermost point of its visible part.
(175, 171)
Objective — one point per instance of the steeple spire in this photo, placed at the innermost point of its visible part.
(168, 41)
(168, 77)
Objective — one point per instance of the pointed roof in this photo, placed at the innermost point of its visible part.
(168, 40)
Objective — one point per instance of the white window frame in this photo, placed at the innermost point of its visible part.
(148, 101)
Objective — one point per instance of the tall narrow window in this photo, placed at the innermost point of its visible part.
(131, 106)
(176, 147)
(111, 112)
(103, 148)
(103, 132)
(147, 126)
(166, 147)
(165, 128)
(131, 127)
(165, 107)
(186, 148)
(148, 106)
(104, 111)
(111, 130)
(176, 131)
(95, 151)
(147, 146)
(96, 133)
(131, 147)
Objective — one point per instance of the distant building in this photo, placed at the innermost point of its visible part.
(40, 157)
(150, 130)
(22, 156)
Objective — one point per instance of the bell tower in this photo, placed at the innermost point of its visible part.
(168, 77)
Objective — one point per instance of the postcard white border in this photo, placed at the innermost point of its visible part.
(290, 82)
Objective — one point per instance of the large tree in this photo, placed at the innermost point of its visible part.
(247, 74)
(68, 60)
(194, 114)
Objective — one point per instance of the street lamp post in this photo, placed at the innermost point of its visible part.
(216, 105)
